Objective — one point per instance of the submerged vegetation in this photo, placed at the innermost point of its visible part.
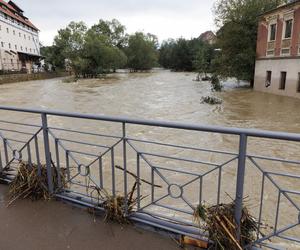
(211, 100)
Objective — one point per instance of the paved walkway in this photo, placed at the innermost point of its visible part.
(53, 225)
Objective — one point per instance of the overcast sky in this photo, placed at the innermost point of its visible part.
(164, 18)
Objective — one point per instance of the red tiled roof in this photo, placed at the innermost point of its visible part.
(11, 11)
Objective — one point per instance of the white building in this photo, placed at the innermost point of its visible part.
(19, 40)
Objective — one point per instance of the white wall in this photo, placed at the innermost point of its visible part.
(18, 38)
(291, 66)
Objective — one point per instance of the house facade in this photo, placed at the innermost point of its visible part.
(277, 67)
(19, 40)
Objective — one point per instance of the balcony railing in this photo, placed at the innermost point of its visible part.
(112, 153)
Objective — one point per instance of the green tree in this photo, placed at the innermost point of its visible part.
(203, 59)
(113, 30)
(142, 51)
(236, 38)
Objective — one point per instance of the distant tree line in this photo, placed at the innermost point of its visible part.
(106, 46)
(187, 55)
(100, 49)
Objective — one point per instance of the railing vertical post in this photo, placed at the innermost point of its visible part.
(240, 182)
(125, 163)
(47, 151)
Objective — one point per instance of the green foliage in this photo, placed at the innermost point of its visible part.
(142, 51)
(186, 55)
(216, 85)
(103, 48)
(236, 38)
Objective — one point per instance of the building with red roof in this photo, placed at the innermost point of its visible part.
(19, 39)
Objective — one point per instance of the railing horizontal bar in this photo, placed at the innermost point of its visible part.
(274, 159)
(85, 133)
(182, 147)
(63, 147)
(83, 143)
(283, 175)
(291, 191)
(82, 153)
(176, 171)
(278, 232)
(274, 183)
(19, 123)
(165, 124)
(222, 165)
(82, 194)
(176, 226)
(15, 140)
(174, 209)
(172, 219)
(105, 152)
(269, 246)
(289, 238)
(180, 159)
(16, 131)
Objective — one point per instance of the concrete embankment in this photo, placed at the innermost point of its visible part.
(13, 78)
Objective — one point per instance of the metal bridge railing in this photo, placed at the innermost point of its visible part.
(177, 177)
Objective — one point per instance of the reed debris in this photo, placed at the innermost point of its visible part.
(31, 182)
(222, 228)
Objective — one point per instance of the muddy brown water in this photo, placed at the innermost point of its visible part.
(164, 95)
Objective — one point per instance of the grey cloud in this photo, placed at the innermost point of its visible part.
(190, 16)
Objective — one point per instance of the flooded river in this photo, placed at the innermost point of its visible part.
(164, 95)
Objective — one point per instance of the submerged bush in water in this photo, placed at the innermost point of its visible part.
(211, 100)
(216, 85)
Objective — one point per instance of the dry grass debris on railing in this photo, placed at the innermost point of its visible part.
(117, 208)
(221, 226)
(29, 184)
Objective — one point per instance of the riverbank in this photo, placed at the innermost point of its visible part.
(15, 78)
(53, 225)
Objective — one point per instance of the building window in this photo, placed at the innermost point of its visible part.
(282, 80)
(2, 44)
(14, 32)
(7, 30)
(21, 48)
(268, 79)
(298, 87)
(272, 36)
(9, 45)
(16, 47)
(26, 49)
(288, 28)
(24, 36)
(19, 34)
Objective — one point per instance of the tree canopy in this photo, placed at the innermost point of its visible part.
(186, 55)
(142, 51)
(102, 48)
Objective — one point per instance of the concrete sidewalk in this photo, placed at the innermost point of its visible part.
(53, 225)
